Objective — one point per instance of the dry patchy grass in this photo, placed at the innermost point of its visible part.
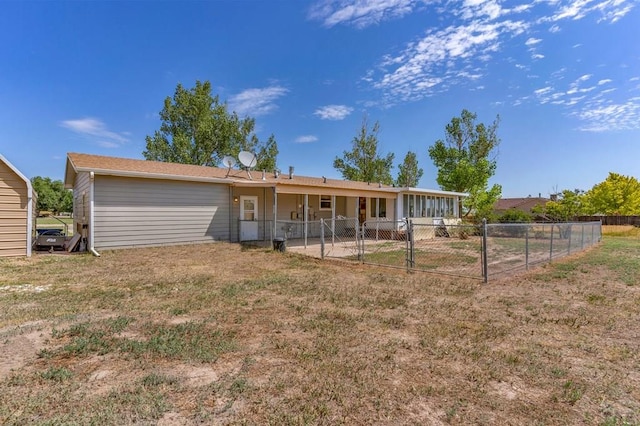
(222, 334)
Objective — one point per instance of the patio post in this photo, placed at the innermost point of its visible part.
(333, 219)
(275, 212)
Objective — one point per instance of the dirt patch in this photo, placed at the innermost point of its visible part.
(19, 346)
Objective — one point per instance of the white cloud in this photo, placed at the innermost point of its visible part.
(477, 9)
(609, 10)
(448, 55)
(256, 102)
(601, 116)
(543, 91)
(435, 60)
(333, 112)
(604, 81)
(360, 13)
(532, 41)
(306, 139)
(96, 130)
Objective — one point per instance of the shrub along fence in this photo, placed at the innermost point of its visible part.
(477, 251)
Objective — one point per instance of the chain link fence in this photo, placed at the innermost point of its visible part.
(443, 247)
(516, 246)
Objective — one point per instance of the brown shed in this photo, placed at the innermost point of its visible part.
(17, 211)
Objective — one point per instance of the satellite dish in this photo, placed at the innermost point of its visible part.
(249, 160)
(229, 162)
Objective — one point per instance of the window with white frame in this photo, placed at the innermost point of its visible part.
(378, 207)
(325, 202)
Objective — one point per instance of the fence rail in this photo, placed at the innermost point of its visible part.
(476, 251)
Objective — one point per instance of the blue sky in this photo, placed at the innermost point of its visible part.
(564, 76)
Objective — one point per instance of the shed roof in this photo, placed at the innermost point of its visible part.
(19, 174)
(115, 166)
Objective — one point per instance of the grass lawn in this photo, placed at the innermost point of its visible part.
(222, 334)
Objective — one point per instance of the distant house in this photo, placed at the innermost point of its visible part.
(523, 204)
(120, 202)
(17, 211)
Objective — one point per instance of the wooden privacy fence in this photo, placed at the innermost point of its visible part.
(611, 220)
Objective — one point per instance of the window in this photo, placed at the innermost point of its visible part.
(325, 202)
(378, 207)
(405, 205)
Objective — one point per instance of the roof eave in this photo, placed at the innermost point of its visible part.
(431, 191)
(146, 175)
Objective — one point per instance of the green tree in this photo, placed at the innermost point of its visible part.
(197, 129)
(363, 163)
(52, 195)
(566, 205)
(466, 159)
(409, 173)
(616, 195)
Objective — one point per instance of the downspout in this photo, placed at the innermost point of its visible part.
(230, 212)
(92, 249)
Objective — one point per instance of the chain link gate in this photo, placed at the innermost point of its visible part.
(438, 247)
(340, 238)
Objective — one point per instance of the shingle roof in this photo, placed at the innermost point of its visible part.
(524, 204)
(143, 168)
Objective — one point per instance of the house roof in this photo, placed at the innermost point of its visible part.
(115, 166)
(524, 204)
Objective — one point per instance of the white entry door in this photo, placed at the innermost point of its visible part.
(248, 218)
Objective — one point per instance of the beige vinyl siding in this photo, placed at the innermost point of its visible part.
(130, 212)
(13, 213)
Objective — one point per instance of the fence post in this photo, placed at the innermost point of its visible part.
(485, 262)
(570, 234)
(362, 235)
(582, 238)
(412, 241)
(407, 237)
(526, 247)
(322, 238)
(358, 243)
(551, 245)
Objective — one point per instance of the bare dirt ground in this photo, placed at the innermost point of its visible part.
(221, 334)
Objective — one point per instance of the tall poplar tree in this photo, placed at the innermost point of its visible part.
(409, 173)
(363, 163)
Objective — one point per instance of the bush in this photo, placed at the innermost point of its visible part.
(515, 216)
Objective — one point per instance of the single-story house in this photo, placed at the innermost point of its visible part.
(17, 211)
(120, 202)
(525, 204)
